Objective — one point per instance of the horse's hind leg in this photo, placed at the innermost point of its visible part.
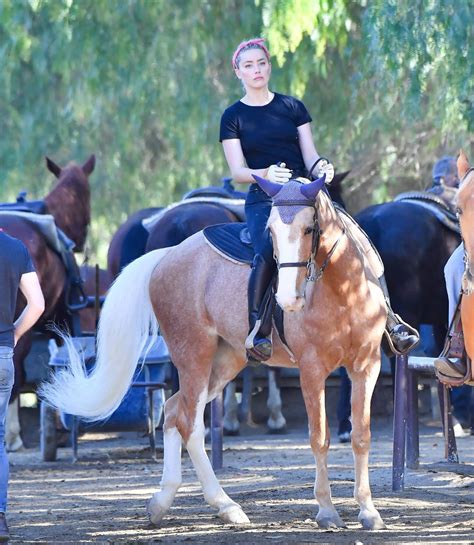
(312, 385)
(192, 431)
(161, 501)
(363, 384)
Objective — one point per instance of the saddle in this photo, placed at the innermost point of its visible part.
(59, 242)
(232, 241)
(22, 205)
(442, 209)
(227, 191)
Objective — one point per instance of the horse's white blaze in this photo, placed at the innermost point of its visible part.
(288, 252)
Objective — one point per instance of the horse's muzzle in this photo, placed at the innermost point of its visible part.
(291, 304)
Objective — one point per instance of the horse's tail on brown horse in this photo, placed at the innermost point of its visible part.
(127, 325)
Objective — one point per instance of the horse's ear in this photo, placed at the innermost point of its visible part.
(53, 167)
(270, 188)
(89, 165)
(311, 190)
(463, 164)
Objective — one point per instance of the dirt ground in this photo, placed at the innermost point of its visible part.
(102, 498)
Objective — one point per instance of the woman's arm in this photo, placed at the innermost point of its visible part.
(241, 173)
(310, 155)
(308, 149)
(31, 289)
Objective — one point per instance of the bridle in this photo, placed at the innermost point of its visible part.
(468, 276)
(313, 274)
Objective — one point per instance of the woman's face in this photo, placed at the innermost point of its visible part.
(254, 69)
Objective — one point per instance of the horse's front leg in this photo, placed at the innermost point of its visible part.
(363, 384)
(312, 385)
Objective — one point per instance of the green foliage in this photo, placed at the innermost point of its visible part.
(143, 83)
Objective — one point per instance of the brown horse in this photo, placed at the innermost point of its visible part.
(69, 204)
(129, 241)
(465, 207)
(334, 315)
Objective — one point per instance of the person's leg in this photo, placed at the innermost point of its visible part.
(6, 384)
(258, 342)
(453, 277)
(461, 402)
(344, 407)
(450, 362)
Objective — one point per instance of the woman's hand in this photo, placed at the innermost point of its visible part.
(278, 173)
(323, 166)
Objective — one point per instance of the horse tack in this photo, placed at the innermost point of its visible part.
(312, 274)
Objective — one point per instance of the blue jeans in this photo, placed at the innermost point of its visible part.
(258, 206)
(6, 385)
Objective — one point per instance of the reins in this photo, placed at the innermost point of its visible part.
(313, 274)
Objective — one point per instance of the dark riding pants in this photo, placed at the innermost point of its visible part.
(257, 210)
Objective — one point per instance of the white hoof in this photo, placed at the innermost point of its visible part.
(233, 515)
(156, 511)
(371, 520)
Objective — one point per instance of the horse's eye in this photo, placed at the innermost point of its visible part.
(458, 212)
(309, 230)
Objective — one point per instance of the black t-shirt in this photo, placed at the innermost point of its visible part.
(15, 261)
(268, 134)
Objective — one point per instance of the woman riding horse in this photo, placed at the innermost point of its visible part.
(269, 135)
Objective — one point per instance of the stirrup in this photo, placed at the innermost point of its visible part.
(410, 336)
(451, 368)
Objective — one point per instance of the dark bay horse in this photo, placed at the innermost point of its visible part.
(180, 222)
(414, 247)
(129, 241)
(69, 204)
(198, 300)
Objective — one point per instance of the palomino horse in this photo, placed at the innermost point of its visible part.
(465, 209)
(69, 204)
(334, 315)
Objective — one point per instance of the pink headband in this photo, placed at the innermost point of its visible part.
(259, 42)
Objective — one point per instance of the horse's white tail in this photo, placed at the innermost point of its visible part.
(126, 323)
